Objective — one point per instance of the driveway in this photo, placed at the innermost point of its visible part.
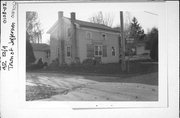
(64, 87)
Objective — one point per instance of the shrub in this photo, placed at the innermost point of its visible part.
(54, 64)
(88, 61)
(92, 61)
(76, 61)
(40, 64)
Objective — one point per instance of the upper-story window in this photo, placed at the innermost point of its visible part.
(104, 36)
(69, 32)
(88, 35)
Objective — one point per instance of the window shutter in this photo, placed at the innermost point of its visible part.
(90, 50)
(104, 51)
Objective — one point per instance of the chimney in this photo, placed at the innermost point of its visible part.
(60, 14)
(73, 16)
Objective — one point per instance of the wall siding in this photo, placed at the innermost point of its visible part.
(82, 42)
(110, 41)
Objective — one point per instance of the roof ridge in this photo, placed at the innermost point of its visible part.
(89, 22)
(96, 24)
(40, 46)
(86, 24)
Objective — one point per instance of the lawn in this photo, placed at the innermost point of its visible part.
(114, 69)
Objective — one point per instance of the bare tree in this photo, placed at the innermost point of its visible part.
(127, 23)
(100, 18)
(127, 19)
(33, 27)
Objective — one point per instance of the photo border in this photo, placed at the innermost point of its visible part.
(100, 104)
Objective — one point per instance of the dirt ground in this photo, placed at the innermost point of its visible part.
(65, 87)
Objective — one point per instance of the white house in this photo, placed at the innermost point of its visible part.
(72, 39)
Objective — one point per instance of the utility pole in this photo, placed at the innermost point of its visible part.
(123, 63)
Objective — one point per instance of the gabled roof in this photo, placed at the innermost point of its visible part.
(40, 46)
(85, 24)
(95, 25)
(54, 27)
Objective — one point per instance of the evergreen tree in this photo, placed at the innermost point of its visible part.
(136, 31)
(153, 43)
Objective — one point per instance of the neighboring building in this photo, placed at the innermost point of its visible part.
(141, 49)
(41, 50)
(136, 48)
(72, 40)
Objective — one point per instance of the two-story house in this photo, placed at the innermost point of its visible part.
(72, 39)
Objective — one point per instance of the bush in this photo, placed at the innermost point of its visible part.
(92, 61)
(76, 61)
(54, 64)
(40, 64)
(45, 64)
(88, 61)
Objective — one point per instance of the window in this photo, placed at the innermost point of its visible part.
(90, 50)
(69, 32)
(104, 36)
(113, 51)
(68, 51)
(98, 51)
(88, 35)
(104, 51)
(47, 54)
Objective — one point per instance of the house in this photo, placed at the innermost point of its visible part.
(41, 50)
(72, 40)
(141, 49)
(136, 48)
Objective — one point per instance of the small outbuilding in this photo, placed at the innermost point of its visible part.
(41, 50)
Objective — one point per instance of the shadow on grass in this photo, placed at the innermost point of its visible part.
(150, 79)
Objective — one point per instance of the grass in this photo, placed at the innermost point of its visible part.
(113, 69)
(39, 92)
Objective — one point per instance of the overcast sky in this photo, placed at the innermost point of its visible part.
(48, 16)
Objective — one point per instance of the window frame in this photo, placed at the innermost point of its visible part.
(104, 36)
(69, 32)
(90, 35)
(113, 54)
(99, 50)
(68, 53)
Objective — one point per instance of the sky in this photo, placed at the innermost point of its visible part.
(147, 19)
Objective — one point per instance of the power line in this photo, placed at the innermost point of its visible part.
(151, 13)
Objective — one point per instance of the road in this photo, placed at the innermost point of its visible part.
(94, 88)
